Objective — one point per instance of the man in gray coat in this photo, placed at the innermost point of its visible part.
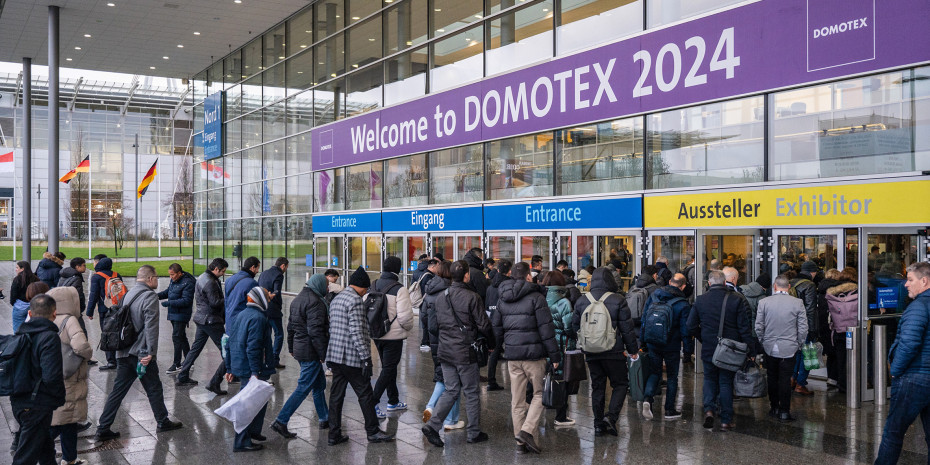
(143, 307)
(781, 325)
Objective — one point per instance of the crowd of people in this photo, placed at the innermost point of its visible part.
(474, 312)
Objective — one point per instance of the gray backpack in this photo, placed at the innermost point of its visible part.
(596, 333)
(636, 300)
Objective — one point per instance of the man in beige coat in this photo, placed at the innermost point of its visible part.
(67, 418)
(781, 325)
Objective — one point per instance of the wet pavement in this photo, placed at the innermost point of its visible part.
(826, 431)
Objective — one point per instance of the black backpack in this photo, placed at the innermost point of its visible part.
(376, 307)
(657, 321)
(117, 331)
(19, 372)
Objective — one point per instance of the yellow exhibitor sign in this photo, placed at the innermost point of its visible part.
(839, 205)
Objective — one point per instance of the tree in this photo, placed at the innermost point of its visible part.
(75, 210)
(181, 203)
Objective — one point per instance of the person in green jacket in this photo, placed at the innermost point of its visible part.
(561, 308)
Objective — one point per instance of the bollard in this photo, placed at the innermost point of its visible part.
(852, 367)
(880, 359)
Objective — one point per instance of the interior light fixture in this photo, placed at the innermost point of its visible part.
(87, 35)
(151, 67)
(77, 48)
(437, 10)
(180, 46)
(111, 4)
(67, 59)
(237, 1)
(196, 33)
(356, 18)
(371, 40)
(165, 58)
(303, 46)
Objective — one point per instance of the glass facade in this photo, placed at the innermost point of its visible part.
(337, 58)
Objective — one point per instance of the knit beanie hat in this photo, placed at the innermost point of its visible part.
(809, 267)
(256, 298)
(360, 279)
(392, 264)
(764, 280)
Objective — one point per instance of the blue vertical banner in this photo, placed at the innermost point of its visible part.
(213, 126)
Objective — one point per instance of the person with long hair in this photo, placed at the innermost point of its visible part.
(24, 277)
(21, 307)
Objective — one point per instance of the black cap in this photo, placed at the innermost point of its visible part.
(360, 279)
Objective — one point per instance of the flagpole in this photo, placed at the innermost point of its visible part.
(158, 226)
(135, 214)
(90, 210)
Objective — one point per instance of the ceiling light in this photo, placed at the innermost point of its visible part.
(309, 32)
(371, 40)
(437, 10)
(440, 30)
(303, 46)
(478, 16)
(300, 72)
(196, 33)
(545, 9)
(165, 58)
(77, 48)
(180, 46)
(111, 4)
(280, 58)
(355, 66)
(237, 1)
(87, 35)
(151, 67)
(333, 75)
(67, 59)
(356, 18)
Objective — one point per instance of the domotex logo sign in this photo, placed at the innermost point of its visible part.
(840, 32)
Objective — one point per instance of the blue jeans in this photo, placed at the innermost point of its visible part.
(312, 379)
(718, 383)
(244, 439)
(453, 416)
(671, 358)
(277, 325)
(910, 397)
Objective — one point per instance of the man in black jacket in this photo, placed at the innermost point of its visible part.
(524, 322)
(210, 319)
(429, 267)
(611, 364)
(503, 274)
(704, 324)
(103, 270)
(459, 366)
(179, 300)
(73, 276)
(806, 290)
(307, 339)
(34, 414)
(476, 281)
(273, 280)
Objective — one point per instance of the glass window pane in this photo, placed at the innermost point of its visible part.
(406, 181)
(330, 17)
(588, 22)
(274, 159)
(252, 129)
(300, 113)
(520, 38)
(254, 197)
(273, 235)
(330, 59)
(233, 105)
(300, 31)
(659, 12)
(719, 143)
(251, 163)
(502, 248)
(364, 42)
(252, 94)
(298, 154)
(848, 128)
(449, 15)
(299, 246)
(273, 88)
(273, 127)
(299, 189)
(605, 157)
(405, 26)
(457, 175)
(520, 167)
(355, 246)
(274, 46)
(329, 100)
(299, 72)
(359, 9)
(233, 68)
(329, 190)
(252, 238)
(457, 59)
(406, 76)
(364, 90)
(233, 199)
(215, 78)
(252, 57)
(922, 119)
(364, 185)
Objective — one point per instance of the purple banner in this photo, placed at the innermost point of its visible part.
(760, 46)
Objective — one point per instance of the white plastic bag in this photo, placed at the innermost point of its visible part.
(243, 407)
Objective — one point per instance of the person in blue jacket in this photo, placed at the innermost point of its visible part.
(103, 270)
(237, 287)
(910, 367)
(179, 300)
(251, 358)
(49, 268)
(670, 352)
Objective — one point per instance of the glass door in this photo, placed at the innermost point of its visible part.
(563, 249)
(444, 246)
(677, 247)
(466, 242)
(330, 253)
(415, 246)
(394, 247)
(538, 247)
(502, 247)
(621, 251)
(583, 255)
(736, 248)
(825, 248)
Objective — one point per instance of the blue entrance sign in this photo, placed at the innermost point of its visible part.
(432, 220)
(213, 126)
(583, 214)
(347, 223)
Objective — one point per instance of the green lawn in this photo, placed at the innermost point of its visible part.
(128, 269)
(168, 249)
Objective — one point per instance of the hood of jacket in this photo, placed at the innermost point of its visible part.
(37, 325)
(256, 299)
(52, 258)
(20, 305)
(842, 290)
(422, 265)
(318, 284)
(753, 289)
(644, 280)
(603, 279)
(66, 301)
(105, 264)
(825, 284)
(70, 273)
(667, 292)
(437, 285)
(661, 265)
(498, 279)
(555, 294)
(514, 290)
(473, 260)
(185, 275)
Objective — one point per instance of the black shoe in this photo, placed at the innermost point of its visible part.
(324, 424)
(481, 437)
(105, 435)
(186, 383)
(527, 440)
(84, 427)
(773, 412)
(726, 427)
(109, 366)
(521, 449)
(495, 387)
(281, 429)
(785, 417)
(216, 390)
(380, 436)
(258, 437)
(337, 440)
(611, 428)
(599, 429)
(92, 362)
(173, 369)
(672, 414)
(432, 436)
(168, 425)
(708, 420)
(279, 366)
(252, 448)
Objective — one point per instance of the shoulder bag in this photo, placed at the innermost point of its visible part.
(479, 345)
(729, 354)
(70, 361)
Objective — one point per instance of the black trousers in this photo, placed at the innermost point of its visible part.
(839, 342)
(125, 376)
(390, 352)
(35, 439)
(179, 338)
(424, 331)
(111, 355)
(602, 371)
(205, 333)
(343, 376)
(779, 377)
(493, 360)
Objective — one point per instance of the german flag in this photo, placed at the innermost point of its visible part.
(149, 176)
(82, 167)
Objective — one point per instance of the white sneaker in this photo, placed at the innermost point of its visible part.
(567, 422)
(647, 410)
(424, 348)
(454, 426)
